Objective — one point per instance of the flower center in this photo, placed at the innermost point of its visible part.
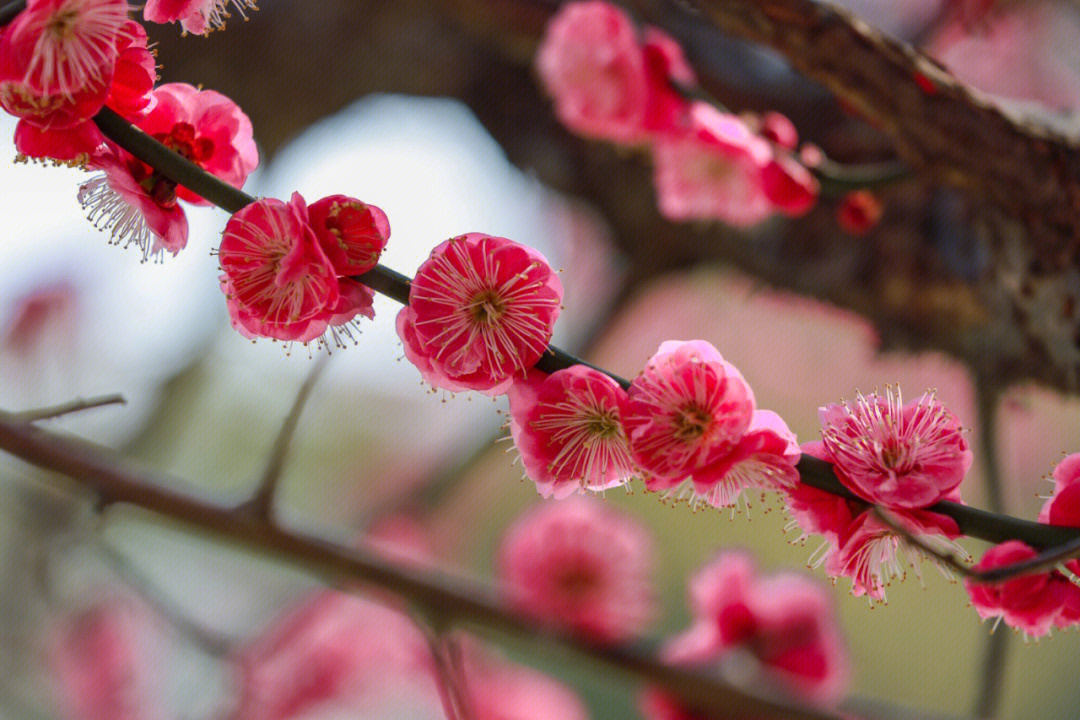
(692, 422)
(161, 189)
(62, 24)
(603, 425)
(487, 308)
(182, 139)
(575, 581)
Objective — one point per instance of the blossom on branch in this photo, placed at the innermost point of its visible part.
(714, 170)
(692, 416)
(785, 622)
(900, 456)
(278, 281)
(481, 311)
(568, 428)
(579, 564)
(196, 16)
(353, 234)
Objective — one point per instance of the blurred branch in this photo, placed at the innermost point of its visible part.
(206, 640)
(939, 125)
(262, 504)
(72, 406)
(116, 479)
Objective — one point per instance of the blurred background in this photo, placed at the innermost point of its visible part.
(432, 112)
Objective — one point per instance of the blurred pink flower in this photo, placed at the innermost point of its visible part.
(778, 129)
(352, 234)
(713, 171)
(668, 109)
(102, 666)
(592, 65)
(195, 16)
(277, 280)
(789, 186)
(501, 690)
(481, 311)
(568, 428)
(785, 621)
(859, 212)
(582, 565)
(332, 647)
(1032, 603)
(900, 456)
(1063, 506)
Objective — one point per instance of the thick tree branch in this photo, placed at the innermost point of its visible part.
(117, 480)
(952, 132)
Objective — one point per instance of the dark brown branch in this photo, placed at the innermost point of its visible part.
(72, 406)
(952, 132)
(1043, 562)
(118, 480)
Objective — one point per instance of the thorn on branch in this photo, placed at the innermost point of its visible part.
(67, 408)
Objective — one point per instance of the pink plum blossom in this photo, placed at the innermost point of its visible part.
(691, 416)
(136, 205)
(502, 690)
(330, 647)
(195, 16)
(712, 171)
(277, 280)
(900, 456)
(779, 130)
(1063, 506)
(352, 234)
(790, 187)
(580, 564)
(568, 428)
(101, 662)
(1032, 603)
(592, 65)
(57, 59)
(785, 621)
(859, 212)
(205, 127)
(481, 312)
(666, 68)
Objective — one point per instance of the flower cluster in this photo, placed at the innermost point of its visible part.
(783, 626)
(1037, 602)
(901, 457)
(62, 61)
(286, 267)
(195, 16)
(609, 84)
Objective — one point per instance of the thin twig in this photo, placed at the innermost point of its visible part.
(116, 479)
(449, 677)
(262, 503)
(1047, 560)
(71, 406)
(206, 640)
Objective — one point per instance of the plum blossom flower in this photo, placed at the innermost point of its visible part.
(196, 16)
(1063, 506)
(205, 127)
(568, 428)
(499, 689)
(57, 59)
(137, 203)
(277, 280)
(858, 212)
(128, 94)
(591, 63)
(712, 171)
(328, 648)
(785, 621)
(582, 565)
(692, 415)
(789, 186)
(99, 659)
(666, 68)
(481, 311)
(900, 456)
(353, 234)
(1032, 603)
